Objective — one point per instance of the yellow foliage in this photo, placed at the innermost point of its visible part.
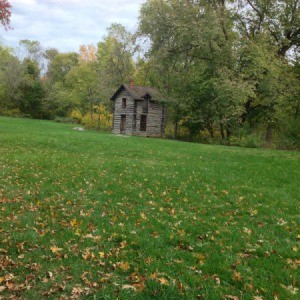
(76, 115)
(100, 119)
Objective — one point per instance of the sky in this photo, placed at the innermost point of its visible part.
(67, 24)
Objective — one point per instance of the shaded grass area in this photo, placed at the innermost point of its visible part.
(87, 214)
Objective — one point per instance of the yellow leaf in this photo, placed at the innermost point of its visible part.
(237, 276)
(75, 223)
(143, 216)
(124, 266)
(181, 232)
(163, 281)
(55, 249)
(102, 254)
(153, 276)
(123, 244)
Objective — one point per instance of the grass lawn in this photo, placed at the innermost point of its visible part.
(96, 216)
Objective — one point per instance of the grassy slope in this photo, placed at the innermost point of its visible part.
(85, 213)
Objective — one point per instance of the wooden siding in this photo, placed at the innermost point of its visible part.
(133, 112)
(154, 119)
(119, 111)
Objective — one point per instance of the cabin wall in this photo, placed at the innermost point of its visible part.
(119, 111)
(155, 121)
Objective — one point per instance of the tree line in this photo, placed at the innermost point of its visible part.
(229, 70)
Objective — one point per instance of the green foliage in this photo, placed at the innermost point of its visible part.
(32, 89)
(60, 65)
(100, 216)
(224, 63)
(115, 59)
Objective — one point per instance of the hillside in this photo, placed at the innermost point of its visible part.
(87, 214)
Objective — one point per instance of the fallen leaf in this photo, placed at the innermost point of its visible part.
(143, 216)
(55, 249)
(124, 266)
(128, 287)
(237, 276)
(163, 281)
(2, 288)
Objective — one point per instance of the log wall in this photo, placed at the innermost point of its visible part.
(133, 112)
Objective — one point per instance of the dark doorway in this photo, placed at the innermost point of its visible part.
(143, 124)
(123, 124)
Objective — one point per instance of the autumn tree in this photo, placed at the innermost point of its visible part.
(5, 13)
(87, 53)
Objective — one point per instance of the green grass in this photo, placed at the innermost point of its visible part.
(96, 216)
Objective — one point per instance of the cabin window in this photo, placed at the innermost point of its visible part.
(145, 106)
(124, 102)
(143, 124)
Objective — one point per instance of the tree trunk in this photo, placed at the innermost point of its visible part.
(91, 110)
(222, 131)
(269, 134)
(99, 119)
(247, 110)
(175, 130)
(211, 131)
(228, 132)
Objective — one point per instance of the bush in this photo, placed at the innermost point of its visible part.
(244, 138)
(64, 120)
(289, 134)
(76, 115)
(101, 119)
(14, 113)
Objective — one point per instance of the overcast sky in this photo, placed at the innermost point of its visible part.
(66, 24)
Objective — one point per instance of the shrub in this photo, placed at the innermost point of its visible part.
(76, 115)
(15, 113)
(101, 119)
(64, 120)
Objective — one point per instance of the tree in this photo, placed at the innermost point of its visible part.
(195, 43)
(32, 89)
(5, 13)
(87, 53)
(60, 65)
(226, 63)
(10, 76)
(83, 83)
(270, 33)
(114, 58)
(280, 19)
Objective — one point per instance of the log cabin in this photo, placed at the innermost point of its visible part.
(138, 110)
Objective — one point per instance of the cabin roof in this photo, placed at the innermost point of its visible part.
(139, 92)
